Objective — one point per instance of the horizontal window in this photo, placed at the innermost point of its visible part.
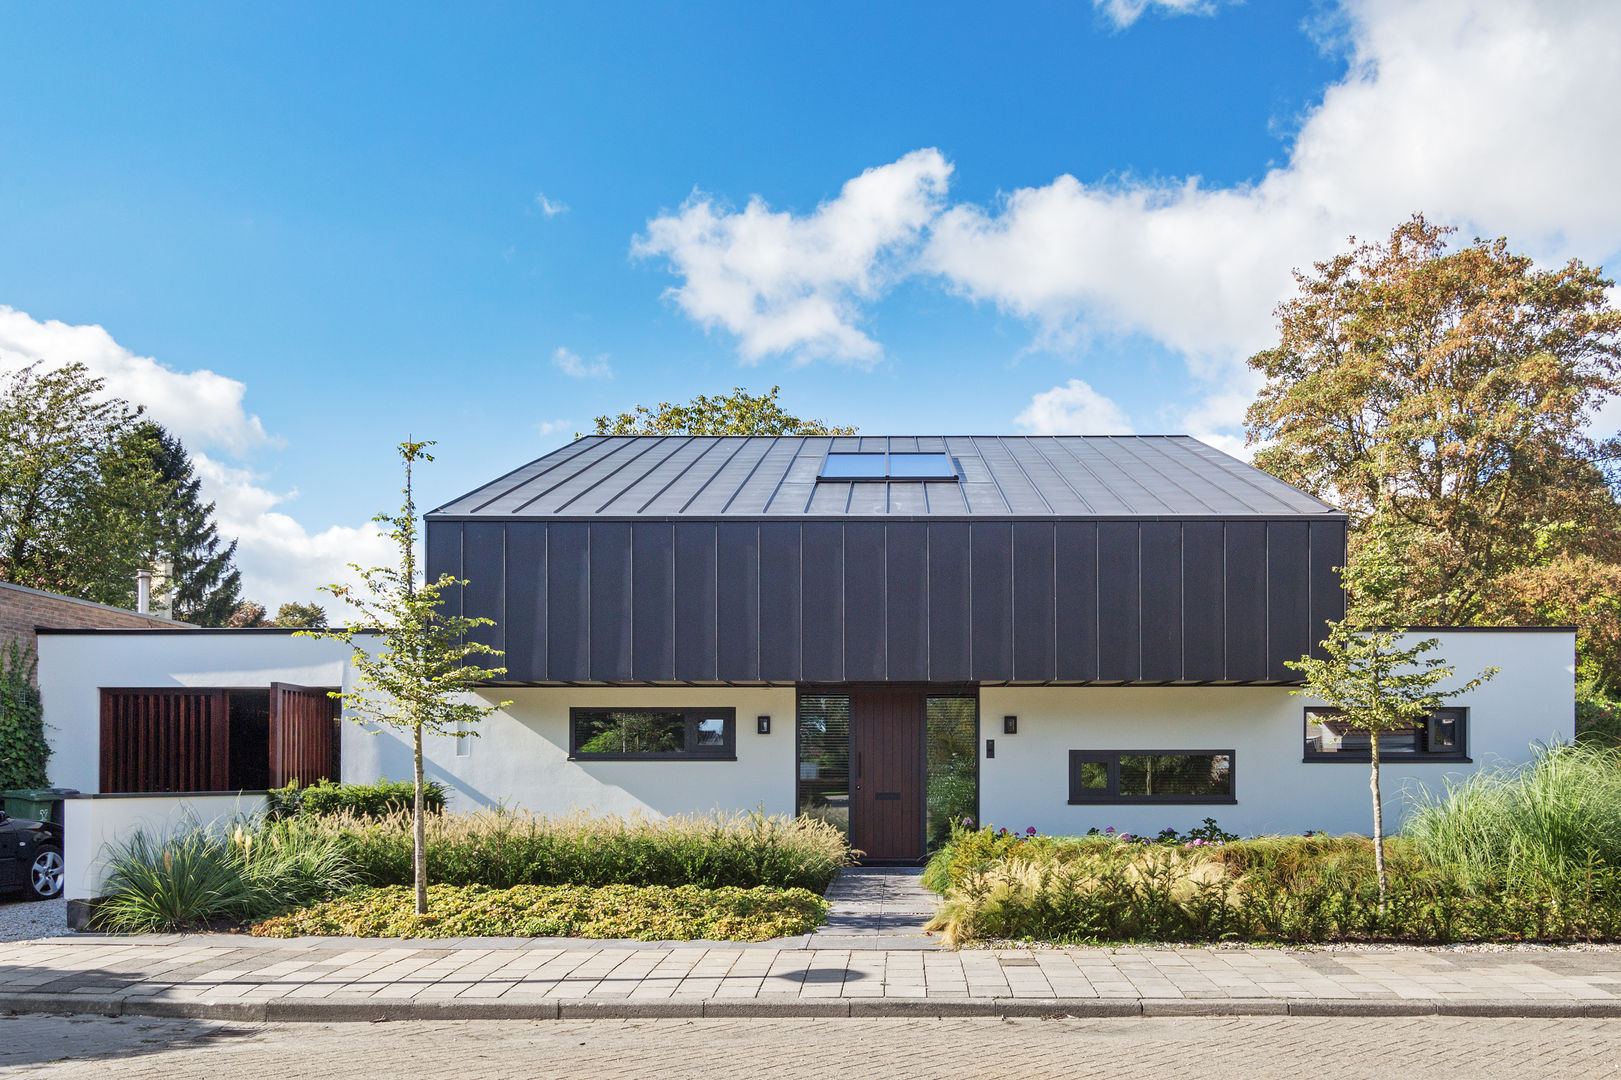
(844, 465)
(1151, 776)
(1442, 737)
(652, 734)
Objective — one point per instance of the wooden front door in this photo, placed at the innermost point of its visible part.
(300, 735)
(886, 774)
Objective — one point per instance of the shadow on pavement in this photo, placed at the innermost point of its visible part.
(35, 1039)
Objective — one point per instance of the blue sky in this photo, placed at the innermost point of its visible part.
(330, 226)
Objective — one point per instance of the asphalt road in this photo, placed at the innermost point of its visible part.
(1256, 1048)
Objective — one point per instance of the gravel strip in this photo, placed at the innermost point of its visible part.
(26, 919)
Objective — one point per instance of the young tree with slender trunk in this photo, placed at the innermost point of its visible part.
(1379, 685)
(412, 662)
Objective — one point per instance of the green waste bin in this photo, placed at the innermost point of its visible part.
(36, 804)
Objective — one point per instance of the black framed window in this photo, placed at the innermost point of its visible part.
(1151, 776)
(1443, 737)
(653, 734)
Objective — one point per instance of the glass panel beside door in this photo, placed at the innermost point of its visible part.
(823, 739)
(952, 748)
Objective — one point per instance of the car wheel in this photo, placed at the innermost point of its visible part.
(46, 873)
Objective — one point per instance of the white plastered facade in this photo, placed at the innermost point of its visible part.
(521, 758)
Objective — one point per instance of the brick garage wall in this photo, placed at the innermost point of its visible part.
(22, 609)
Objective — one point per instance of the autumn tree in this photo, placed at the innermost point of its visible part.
(1444, 399)
(415, 666)
(737, 413)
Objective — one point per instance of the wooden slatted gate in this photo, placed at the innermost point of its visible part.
(300, 735)
(165, 740)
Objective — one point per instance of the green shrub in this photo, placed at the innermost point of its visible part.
(1598, 716)
(616, 911)
(501, 849)
(201, 875)
(23, 748)
(379, 799)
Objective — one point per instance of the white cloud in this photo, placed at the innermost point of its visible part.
(203, 408)
(1491, 115)
(549, 207)
(570, 364)
(1073, 409)
(1481, 113)
(788, 284)
(279, 558)
(1125, 12)
(552, 427)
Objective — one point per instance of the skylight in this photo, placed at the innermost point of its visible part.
(880, 466)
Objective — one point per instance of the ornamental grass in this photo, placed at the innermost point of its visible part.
(502, 848)
(646, 913)
(1524, 853)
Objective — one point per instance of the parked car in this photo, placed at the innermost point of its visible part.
(31, 857)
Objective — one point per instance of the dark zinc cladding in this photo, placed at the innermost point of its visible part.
(677, 560)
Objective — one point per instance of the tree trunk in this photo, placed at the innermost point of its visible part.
(1378, 824)
(419, 835)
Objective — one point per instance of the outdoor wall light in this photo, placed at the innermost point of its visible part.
(1010, 725)
(990, 748)
(762, 725)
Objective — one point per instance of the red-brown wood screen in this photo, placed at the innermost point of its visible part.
(165, 740)
(300, 735)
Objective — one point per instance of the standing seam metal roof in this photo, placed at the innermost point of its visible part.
(1035, 476)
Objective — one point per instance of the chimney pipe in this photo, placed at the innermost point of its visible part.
(143, 592)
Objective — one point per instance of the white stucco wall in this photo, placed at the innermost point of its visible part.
(520, 758)
(1027, 783)
(74, 667)
(92, 825)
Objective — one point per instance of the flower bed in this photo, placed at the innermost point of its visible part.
(617, 911)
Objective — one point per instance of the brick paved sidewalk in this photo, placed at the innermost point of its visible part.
(221, 977)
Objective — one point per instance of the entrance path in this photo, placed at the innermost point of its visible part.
(233, 978)
(877, 907)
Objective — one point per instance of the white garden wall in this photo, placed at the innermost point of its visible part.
(1027, 783)
(93, 823)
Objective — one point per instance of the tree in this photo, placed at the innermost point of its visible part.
(24, 749)
(1379, 686)
(247, 616)
(1443, 399)
(301, 615)
(412, 662)
(202, 581)
(738, 413)
(79, 496)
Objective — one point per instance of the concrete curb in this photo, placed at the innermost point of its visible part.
(319, 1010)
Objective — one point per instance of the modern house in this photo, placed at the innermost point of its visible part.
(889, 633)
